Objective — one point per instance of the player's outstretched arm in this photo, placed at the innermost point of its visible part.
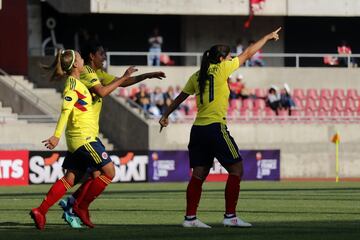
(103, 91)
(252, 49)
(136, 79)
(164, 121)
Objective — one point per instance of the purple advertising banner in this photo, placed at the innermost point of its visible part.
(261, 164)
(172, 166)
(168, 166)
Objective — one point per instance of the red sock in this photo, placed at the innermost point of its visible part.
(232, 191)
(57, 190)
(81, 191)
(193, 194)
(96, 187)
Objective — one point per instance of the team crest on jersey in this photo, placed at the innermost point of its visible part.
(104, 155)
(67, 98)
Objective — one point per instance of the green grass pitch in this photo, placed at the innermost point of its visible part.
(278, 210)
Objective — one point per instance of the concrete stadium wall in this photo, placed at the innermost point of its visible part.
(199, 33)
(306, 149)
(123, 126)
(263, 77)
(17, 102)
(227, 7)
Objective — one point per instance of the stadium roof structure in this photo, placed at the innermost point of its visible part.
(339, 8)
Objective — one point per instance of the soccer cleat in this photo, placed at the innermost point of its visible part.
(38, 218)
(72, 220)
(84, 216)
(195, 223)
(66, 205)
(235, 222)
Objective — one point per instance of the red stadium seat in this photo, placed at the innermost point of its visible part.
(260, 93)
(312, 93)
(324, 104)
(310, 104)
(339, 93)
(247, 104)
(352, 93)
(337, 105)
(122, 92)
(299, 93)
(259, 104)
(350, 104)
(298, 104)
(325, 93)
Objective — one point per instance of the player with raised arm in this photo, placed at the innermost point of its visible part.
(100, 84)
(209, 137)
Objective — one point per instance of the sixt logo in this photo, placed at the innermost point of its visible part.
(129, 168)
(14, 168)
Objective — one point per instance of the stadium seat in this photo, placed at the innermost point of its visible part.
(247, 104)
(324, 104)
(122, 92)
(325, 93)
(260, 93)
(312, 94)
(350, 105)
(299, 93)
(337, 105)
(339, 93)
(352, 93)
(299, 103)
(310, 104)
(259, 104)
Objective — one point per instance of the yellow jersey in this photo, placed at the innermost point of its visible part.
(89, 77)
(215, 103)
(77, 114)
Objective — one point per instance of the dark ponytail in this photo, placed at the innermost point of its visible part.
(211, 56)
(203, 75)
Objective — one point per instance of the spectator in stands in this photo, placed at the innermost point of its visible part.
(239, 46)
(286, 101)
(273, 99)
(155, 41)
(209, 137)
(143, 98)
(236, 86)
(257, 59)
(157, 99)
(345, 49)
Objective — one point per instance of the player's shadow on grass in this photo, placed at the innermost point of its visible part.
(151, 191)
(294, 230)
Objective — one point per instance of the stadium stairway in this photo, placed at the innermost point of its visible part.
(27, 134)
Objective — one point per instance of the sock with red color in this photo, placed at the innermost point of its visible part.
(193, 194)
(232, 191)
(57, 190)
(95, 188)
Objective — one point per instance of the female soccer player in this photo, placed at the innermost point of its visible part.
(83, 149)
(209, 137)
(100, 84)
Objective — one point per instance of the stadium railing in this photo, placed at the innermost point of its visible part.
(20, 89)
(295, 58)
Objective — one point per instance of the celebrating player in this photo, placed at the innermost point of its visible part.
(209, 137)
(100, 84)
(83, 149)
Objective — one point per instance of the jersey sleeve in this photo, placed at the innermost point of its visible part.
(105, 78)
(190, 87)
(70, 98)
(90, 79)
(230, 66)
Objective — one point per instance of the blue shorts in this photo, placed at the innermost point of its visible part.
(209, 142)
(89, 156)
